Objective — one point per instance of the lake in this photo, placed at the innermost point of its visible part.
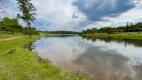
(99, 58)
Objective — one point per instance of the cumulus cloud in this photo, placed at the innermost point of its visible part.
(95, 10)
(75, 15)
(80, 14)
(138, 2)
(57, 15)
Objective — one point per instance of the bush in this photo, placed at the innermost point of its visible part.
(30, 31)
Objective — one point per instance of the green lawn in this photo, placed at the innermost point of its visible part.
(16, 63)
(4, 35)
(124, 35)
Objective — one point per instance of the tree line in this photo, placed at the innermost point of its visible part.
(61, 32)
(12, 25)
(128, 28)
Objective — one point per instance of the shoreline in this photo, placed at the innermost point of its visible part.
(127, 35)
(19, 63)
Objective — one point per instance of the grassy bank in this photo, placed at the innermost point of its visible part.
(4, 35)
(126, 35)
(16, 63)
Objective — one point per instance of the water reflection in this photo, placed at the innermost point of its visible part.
(97, 58)
(135, 42)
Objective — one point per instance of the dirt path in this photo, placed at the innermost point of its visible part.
(10, 38)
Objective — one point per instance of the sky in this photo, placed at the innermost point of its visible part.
(77, 15)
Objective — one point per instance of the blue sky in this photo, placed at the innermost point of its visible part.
(81, 14)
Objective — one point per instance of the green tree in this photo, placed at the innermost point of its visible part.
(0, 25)
(28, 11)
(10, 24)
(108, 30)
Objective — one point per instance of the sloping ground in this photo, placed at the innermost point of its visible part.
(11, 38)
(5, 35)
(16, 63)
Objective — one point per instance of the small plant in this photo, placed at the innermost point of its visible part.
(12, 51)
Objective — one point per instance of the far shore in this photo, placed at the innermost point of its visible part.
(121, 35)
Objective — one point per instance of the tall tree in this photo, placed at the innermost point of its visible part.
(28, 11)
(127, 27)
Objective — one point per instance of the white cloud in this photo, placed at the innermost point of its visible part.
(132, 16)
(57, 15)
(57, 12)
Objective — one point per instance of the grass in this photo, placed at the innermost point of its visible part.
(4, 35)
(124, 35)
(16, 63)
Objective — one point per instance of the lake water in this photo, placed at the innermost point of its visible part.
(102, 59)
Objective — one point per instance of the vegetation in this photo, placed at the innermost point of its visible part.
(16, 63)
(128, 28)
(12, 25)
(60, 32)
(4, 35)
(129, 31)
(28, 11)
(122, 35)
(136, 42)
